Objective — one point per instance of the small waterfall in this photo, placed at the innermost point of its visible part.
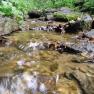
(12, 85)
(24, 83)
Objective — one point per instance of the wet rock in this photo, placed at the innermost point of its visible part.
(80, 47)
(3, 41)
(54, 67)
(8, 25)
(42, 46)
(76, 21)
(83, 77)
(46, 45)
(70, 47)
(74, 27)
(59, 29)
(90, 34)
(52, 46)
(42, 28)
(84, 47)
(84, 81)
(90, 61)
(49, 28)
(33, 45)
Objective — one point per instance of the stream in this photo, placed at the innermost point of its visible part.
(29, 66)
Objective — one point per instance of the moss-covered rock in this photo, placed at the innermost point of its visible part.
(59, 16)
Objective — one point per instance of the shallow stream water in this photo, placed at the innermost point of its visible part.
(25, 69)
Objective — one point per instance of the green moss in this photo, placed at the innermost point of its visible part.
(66, 17)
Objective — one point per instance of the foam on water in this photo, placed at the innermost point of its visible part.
(22, 84)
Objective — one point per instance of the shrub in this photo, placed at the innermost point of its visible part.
(85, 5)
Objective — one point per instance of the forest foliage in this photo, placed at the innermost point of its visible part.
(21, 7)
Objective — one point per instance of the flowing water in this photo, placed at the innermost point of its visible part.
(26, 67)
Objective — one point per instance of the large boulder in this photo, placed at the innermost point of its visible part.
(7, 25)
(81, 24)
(74, 26)
(59, 16)
(82, 74)
(65, 14)
(84, 77)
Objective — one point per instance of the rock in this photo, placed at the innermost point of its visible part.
(35, 14)
(87, 21)
(50, 11)
(84, 47)
(84, 81)
(52, 46)
(83, 76)
(3, 41)
(41, 46)
(8, 25)
(83, 23)
(33, 45)
(46, 45)
(70, 48)
(90, 34)
(65, 10)
(65, 14)
(59, 29)
(74, 26)
(76, 20)
(49, 17)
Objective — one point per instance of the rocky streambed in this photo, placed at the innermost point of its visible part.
(38, 61)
